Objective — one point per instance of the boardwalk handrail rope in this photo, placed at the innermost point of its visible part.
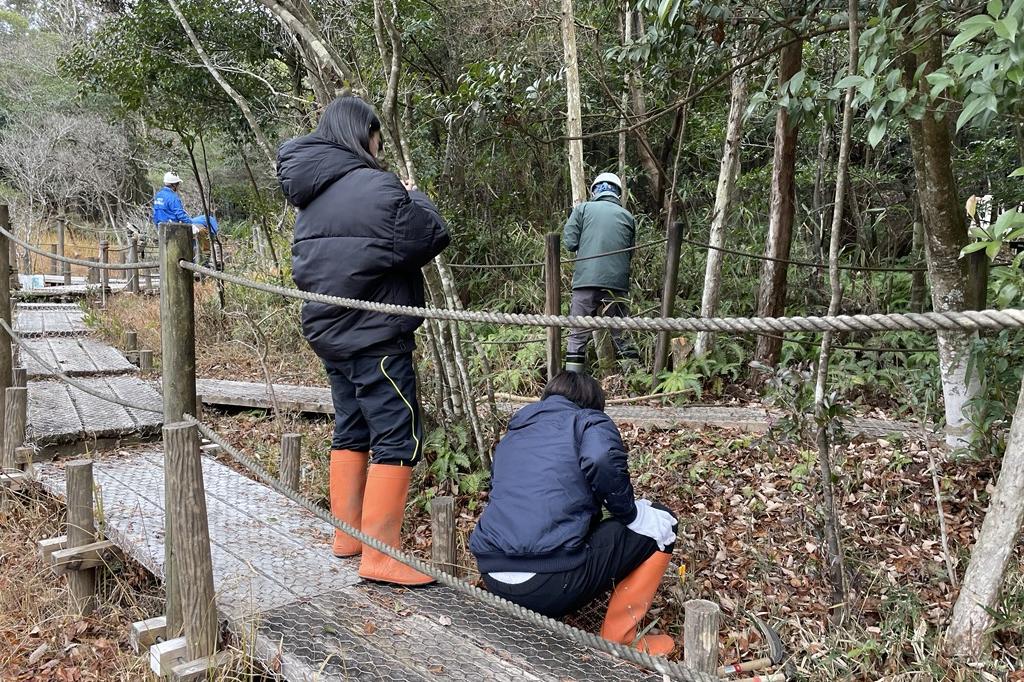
(79, 261)
(566, 261)
(971, 320)
(589, 639)
(803, 263)
(68, 380)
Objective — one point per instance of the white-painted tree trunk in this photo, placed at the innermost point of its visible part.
(968, 633)
(728, 174)
(573, 117)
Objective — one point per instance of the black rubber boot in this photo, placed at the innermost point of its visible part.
(576, 362)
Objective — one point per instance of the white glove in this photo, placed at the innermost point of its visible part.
(653, 523)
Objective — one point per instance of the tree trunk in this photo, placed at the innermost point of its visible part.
(836, 563)
(627, 38)
(772, 294)
(728, 174)
(573, 117)
(945, 231)
(969, 633)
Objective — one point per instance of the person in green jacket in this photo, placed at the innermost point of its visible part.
(600, 286)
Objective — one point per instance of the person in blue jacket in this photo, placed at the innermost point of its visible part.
(167, 206)
(541, 541)
(363, 233)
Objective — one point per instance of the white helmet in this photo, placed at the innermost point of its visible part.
(611, 179)
(171, 179)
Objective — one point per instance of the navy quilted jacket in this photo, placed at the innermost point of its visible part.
(556, 468)
(359, 234)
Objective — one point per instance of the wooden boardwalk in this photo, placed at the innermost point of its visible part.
(307, 614)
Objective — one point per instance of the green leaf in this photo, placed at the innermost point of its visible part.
(877, 132)
(976, 246)
(797, 81)
(1017, 173)
(994, 8)
(664, 9)
(992, 250)
(974, 107)
(851, 81)
(969, 31)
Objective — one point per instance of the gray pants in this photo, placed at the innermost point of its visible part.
(593, 301)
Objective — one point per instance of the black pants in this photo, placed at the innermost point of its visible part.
(593, 301)
(375, 407)
(614, 552)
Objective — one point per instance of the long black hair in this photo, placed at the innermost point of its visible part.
(349, 122)
(580, 388)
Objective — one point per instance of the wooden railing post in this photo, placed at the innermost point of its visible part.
(291, 460)
(92, 276)
(65, 268)
(700, 635)
(15, 418)
(178, 377)
(54, 263)
(668, 293)
(104, 273)
(133, 274)
(443, 544)
(145, 361)
(191, 558)
(131, 347)
(81, 530)
(19, 377)
(553, 299)
(6, 342)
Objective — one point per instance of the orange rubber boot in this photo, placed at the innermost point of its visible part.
(387, 486)
(347, 480)
(629, 603)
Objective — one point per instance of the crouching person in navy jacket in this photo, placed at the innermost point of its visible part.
(541, 542)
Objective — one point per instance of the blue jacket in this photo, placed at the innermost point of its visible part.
(359, 234)
(167, 208)
(553, 471)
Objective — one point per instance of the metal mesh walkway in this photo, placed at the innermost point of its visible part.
(306, 614)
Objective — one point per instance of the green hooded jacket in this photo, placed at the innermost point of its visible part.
(599, 226)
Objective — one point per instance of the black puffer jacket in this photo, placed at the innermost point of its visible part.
(359, 234)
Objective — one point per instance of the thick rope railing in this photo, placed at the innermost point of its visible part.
(589, 639)
(566, 261)
(972, 320)
(79, 261)
(802, 263)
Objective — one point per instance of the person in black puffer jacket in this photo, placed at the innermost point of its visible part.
(541, 542)
(362, 233)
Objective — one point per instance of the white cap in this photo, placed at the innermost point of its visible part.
(171, 179)
(610, 178)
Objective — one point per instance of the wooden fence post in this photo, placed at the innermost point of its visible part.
(553, 299)
(19, 377)
(15, 417)
(54, 263)
(6, 343)
(700, 635)
(145, 361)
(668, 293)
(92, 276)
(147, 281)
(133, 274)
(192, 560)
(291, 460)
(104, 273)
(65, 268)
(443, 545)
(178, 377)
(131, 347)
(81, 530)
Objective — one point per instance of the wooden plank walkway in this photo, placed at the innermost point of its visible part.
(74, 356)
(49, 319)
(307, 614)
(63, 414)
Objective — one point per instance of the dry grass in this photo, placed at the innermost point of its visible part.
(39, 640)
(77, 244)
